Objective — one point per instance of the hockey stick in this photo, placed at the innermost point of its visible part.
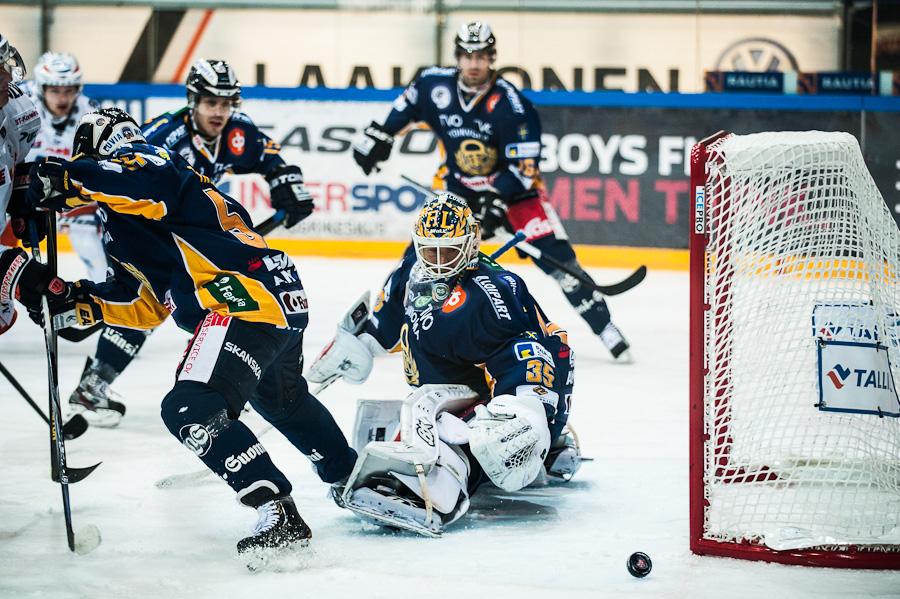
(181, 480)
(74, 428)
(615, 289)
(88, 538)
(75, 334)
(271, 223)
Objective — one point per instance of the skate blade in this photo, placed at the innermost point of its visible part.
(382, 519)
(87, 539)
(293, 558)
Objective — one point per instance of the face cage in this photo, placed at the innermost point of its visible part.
(14, 65)
(434, 271)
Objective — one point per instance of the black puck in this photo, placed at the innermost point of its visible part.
(639, 564)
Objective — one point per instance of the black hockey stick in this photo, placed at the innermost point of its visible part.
(615, 289)
(271, 223)
(74, 428)
(88, 538)
(75, 334)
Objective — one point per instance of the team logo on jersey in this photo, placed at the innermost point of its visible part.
(474, 158)
(196, 437)
(440, 95)
(237, 141)
(228, 290)
(294, 302)
(410, 369)
(457, 298)
(528, 350)
(492, 102)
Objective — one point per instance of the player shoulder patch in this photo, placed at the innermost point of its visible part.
(485, 259)
(529, 350)
(240, 117)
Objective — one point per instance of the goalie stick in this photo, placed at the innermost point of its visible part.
(88, 538)
(74, 428)
(622, 286)
(188, 478)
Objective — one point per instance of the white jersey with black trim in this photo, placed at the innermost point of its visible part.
(56, 134)
(20, 122)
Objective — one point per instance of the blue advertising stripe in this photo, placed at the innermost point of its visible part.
(736, 101)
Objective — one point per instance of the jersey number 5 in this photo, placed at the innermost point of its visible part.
(233, 223)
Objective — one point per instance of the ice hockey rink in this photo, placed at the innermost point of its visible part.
(561, 539)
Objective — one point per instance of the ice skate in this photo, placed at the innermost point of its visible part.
(615, 343)
(92, 397)
(278, 535)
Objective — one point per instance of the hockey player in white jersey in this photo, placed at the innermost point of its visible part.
(56, 91)
(19, 124)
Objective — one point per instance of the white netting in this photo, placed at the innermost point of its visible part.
(796, 226)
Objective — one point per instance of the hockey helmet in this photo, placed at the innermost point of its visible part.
(102, 132)
(53, 68)
(474, 37)
(446, 237)
(212, 78)
(11, 60)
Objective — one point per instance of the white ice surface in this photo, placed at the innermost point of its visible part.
(566, 541)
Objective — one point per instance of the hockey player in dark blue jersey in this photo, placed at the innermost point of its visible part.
(490, 141)
(180, 247)
(214, 138)
(476, 346)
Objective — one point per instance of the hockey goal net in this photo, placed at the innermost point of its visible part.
(795, 353)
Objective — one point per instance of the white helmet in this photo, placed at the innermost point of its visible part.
(53, 68)
(11, 60)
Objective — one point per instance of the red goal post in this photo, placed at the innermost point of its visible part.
(794, 350)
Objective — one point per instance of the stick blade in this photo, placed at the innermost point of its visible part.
(75, 427)
(86, 539)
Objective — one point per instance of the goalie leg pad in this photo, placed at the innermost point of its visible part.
(510, 439)
(388, 487)
(376, 420)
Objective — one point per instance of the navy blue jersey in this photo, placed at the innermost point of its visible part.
(240, 149)
(180, 246)
(487, 332)
(490, 142)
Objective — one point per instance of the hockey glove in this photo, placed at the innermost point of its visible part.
(21, 214)
(70, 305)
(50, 181)
(491, 212)
(374, 147)
(289, 194)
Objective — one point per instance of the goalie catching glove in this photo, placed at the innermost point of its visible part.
(28, 281)
(374, 148)
(288, 193)
(510, 439)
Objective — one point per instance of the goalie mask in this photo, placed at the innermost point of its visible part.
(100, 133)
(446, 237)
(11, 61)
(57, 69)
(212, 78)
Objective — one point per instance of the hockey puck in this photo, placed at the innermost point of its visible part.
(639, 564)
